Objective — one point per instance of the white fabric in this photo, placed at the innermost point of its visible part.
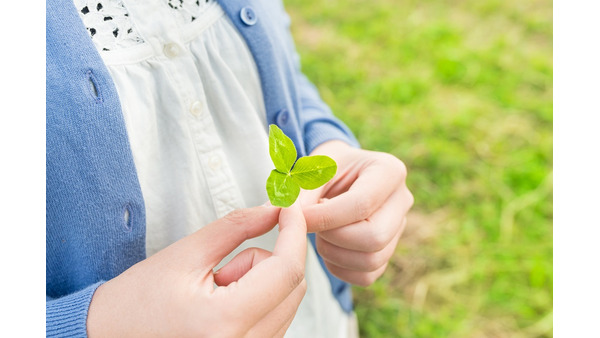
(108, 24)
(196, 121)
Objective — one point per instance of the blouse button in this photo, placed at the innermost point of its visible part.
(215, 162)
(247, 15)
(197, 108)
(172, 50)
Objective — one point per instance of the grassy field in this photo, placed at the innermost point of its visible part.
(461, 91)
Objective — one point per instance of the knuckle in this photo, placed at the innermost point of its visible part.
(365, 280)
(411, 199)
(322, 247)
(373, 261)
(325, 221)
(295, 275)
(379, 240)
(385, 157)
(396, 165)
(238, 219)
(237, 216)
(394, 161)
(369, 278)
(401, 168)
(364, 207)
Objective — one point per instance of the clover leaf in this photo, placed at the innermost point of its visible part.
(289, 175)
(282, 150)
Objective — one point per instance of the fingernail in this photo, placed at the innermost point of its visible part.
(267, 203)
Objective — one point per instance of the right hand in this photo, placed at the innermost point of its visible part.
(172, 292)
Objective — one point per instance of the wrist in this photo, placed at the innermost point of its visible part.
(95, 315)
(103, 318)
(331, 147)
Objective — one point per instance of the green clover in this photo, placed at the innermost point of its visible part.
(289, 175)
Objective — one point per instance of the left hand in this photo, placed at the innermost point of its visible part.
(359, 215)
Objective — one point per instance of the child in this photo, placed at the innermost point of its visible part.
(157, 157)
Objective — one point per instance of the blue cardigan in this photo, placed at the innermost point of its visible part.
(91, 180)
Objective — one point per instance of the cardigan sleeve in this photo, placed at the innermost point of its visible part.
(317, 122)
(67, 316)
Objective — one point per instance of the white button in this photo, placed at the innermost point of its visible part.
(215, 162)
(197, 108)
(172, 50)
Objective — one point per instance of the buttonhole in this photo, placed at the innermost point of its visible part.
(93, 85)
(127, 218)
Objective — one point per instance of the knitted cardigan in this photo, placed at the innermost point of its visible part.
(95, 217)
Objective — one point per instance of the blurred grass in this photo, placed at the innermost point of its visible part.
(461, 91)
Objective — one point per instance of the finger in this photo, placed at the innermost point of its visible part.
(371, 189)
(309, 197)
(276, 322)
(239, 265)
(374, 233)
(216, 240)
(356, 260)
(284, 328)
(272, 280)
(292, 231)
(358, 278)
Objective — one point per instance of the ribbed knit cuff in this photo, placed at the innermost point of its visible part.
(318, 132)
(67, 316)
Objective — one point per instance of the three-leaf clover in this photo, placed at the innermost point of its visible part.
(289, 175)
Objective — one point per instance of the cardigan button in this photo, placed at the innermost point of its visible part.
(283, 117)
(247, 15)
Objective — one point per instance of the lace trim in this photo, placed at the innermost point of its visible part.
(110, 27)
(108, 24)
(188, 11)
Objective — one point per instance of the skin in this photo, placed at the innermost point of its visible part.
(358, 218)
(171, 293)
(359, 215)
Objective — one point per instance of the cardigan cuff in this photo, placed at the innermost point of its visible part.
(320, 131)
(67, 316)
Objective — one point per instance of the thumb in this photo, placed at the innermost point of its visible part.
(219, 238)
(266, 284)
(291, 244)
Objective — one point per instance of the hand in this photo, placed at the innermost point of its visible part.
(172, 293)
(359, 215)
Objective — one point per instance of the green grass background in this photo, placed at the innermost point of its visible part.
(461, 91)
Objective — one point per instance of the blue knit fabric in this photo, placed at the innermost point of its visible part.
(90, 176)
(95, 216)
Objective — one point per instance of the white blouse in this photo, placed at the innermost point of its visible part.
(193, 107)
